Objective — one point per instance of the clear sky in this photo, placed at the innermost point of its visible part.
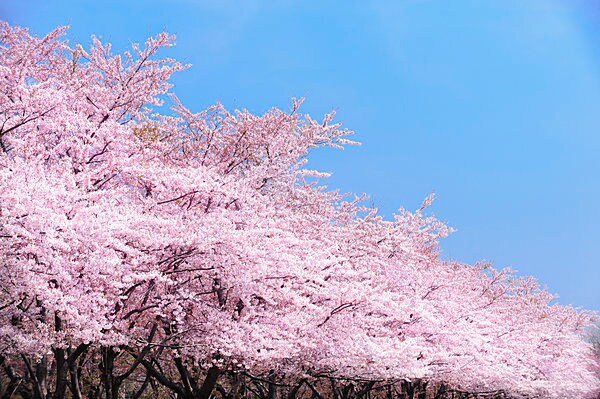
(493, 105)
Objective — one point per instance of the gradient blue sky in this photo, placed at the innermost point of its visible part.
(494, 105)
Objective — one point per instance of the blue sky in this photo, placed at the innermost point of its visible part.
(494, 106)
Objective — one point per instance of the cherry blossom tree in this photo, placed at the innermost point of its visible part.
(194, 253)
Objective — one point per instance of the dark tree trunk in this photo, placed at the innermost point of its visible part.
(75, 386)
(441, 392)
(141, 390)
(74, 363)
(61, 365)
(209, 383)
(14, 386)
(109, 382)
(272, 392)
(37, 376)
(408, 390)
(422, 388)
(294, 391)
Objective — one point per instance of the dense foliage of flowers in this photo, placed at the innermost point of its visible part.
(178, 249)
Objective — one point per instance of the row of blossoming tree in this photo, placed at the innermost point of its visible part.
(181, 254)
